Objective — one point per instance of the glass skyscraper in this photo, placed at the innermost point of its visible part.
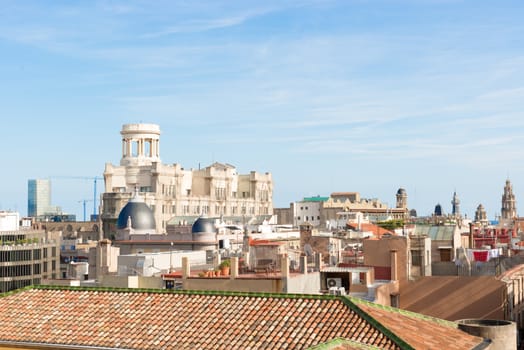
(38, 197)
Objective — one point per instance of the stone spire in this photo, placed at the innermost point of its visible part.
(480, 214)
(509, 204)
(455, 205)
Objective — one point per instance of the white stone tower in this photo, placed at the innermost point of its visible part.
(140, 144)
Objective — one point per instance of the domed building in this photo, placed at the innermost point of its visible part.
(204, 234)
(480, 215)
(402, 198)
(135, 218)
(174, 193)
(438, 210)
(136, 232)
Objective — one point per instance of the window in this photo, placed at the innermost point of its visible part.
(134, 148)
(220, 193)
(147, 148)
(445, 254)
(416, 258)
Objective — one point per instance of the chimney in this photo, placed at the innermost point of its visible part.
(234, 267)
(186, 267)
(471, 236)
(394, 265)
(284, 266)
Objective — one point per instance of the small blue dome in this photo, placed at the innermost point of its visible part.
(401, 191)
(438, 210)
(203, 225)
(142, 217)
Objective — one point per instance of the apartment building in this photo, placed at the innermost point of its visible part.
(26, 255)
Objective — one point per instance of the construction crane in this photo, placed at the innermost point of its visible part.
(84, 201)
(93, 178)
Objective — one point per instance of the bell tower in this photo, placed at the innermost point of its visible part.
(402, 198)
(509, 204)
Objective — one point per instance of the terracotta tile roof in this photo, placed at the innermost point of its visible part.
(160, 319)
(419, 331)
(366, 227)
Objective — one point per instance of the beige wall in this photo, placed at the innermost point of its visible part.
(377, 252)
(383, 293)
(514, 281)
(131, 282)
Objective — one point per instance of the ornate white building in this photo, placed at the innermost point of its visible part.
(171, 191)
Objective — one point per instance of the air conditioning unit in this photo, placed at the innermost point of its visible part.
(334, 282)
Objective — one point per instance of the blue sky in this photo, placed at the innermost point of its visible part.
(328, 96)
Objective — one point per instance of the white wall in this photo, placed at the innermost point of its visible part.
(9, 221)
(149, 264)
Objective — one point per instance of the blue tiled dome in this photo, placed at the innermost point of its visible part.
(142, 217)
(203, 225)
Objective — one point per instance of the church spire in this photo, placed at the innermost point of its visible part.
(509, 204)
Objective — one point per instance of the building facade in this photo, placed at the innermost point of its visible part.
(322, 211)
(172, 191)
(26, 256)
(308, 211)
